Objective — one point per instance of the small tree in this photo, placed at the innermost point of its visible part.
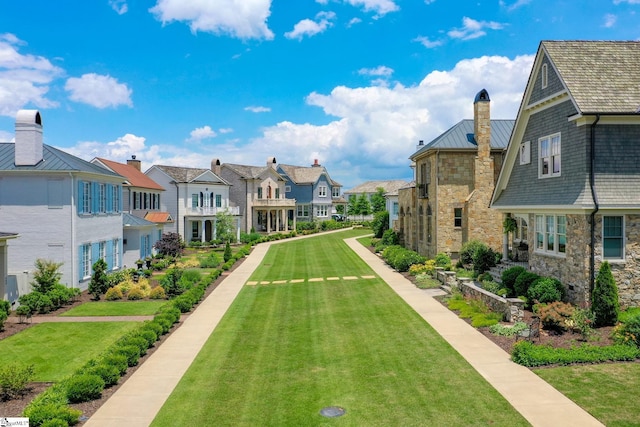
(224, 227)
(378, 202)
(352, 206)
(380, 223)
(227, 252)
(170, 244)
(363, 206)
(99, 283)
(340, 209)
(604, 299)
(46, 276)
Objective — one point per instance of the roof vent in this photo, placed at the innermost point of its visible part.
(482, 96)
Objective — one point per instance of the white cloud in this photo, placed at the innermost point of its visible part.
(380, 7)
(24, 79)
(257, 109)
(426, 42)
(310, 28)
(516, 5)
(378, 127)
(225, 130)
(353, 21)
(198, 134)
(472, 29)
(244, 19)
(626, 1)
(120, 6)
(119, 150)
(380, 70)
(98, 91)
(6, 136)
(609, 20)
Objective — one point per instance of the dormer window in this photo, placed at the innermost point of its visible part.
(544, 76)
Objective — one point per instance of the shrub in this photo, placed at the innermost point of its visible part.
(110, 374)
(117, 360)
(443, 260)
(212, 260)
(527, 354)
(164, 323)
(135, 294)
(46, 275)
(14, 379)
(508, 331)
(390, 238)
(184, 303)
(509, 276)
(189, 277)
(546, 290)
(37, 302)
(523, 282)
(380, 223)
(171, 282)
(400, 258)
(171, 245)
(227, 252)
(130, 352)
(99, 281)
(83, 388)
(628, 332)
(40, 413)
(582, 321)
(152, 326)
(55, 422)
(493, 287)
(556, 315)
(135, 340)
(468, 249)
(483, 259)
(157, 293)
(427, 268)
(5, 306)
(113, 294)
(604, 300)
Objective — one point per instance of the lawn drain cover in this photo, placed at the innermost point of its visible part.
(332, 411)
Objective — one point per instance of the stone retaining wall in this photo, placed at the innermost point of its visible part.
(511, 308)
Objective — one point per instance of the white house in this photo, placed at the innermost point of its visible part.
(194, 197)
(64, 209)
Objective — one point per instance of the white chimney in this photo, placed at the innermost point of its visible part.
(28, 149)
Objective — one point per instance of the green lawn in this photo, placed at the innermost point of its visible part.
(57, 349)
(116, 308)
(283, 352)
(608, 391)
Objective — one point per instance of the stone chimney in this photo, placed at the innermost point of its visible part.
(315, 163)
(271, 162)
(215, 166)
(28, 148)
(135, 163)
(482, 123)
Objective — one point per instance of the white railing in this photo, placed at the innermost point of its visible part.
(209, 211)
(274, 202)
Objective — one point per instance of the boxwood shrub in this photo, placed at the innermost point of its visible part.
(528, 354)
(109, 373)
(83, 388)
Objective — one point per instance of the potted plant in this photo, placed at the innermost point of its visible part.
(147, 260)
(139, 263)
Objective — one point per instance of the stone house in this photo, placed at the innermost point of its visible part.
(193, 198)
(454, 179)
(313, 190)
(259, 192)
(571, 168)
(63, 208)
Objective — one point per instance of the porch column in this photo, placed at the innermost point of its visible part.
(505, 244)
(283, 214)
(295, 218)
(202, 230)
(215, 228)
(238, 221)
(277, 219)
(268, 219)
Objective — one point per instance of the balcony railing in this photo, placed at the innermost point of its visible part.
(211, 211)
(274, 203)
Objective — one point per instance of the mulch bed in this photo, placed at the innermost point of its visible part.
(14, 407)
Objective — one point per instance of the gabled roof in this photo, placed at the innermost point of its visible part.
(129, 220)
(183, 175)
(251, 172)
(5, 235)
(53, 160)
(601, 76)
(135, 178)
(305, 174)
(159, 217)
(391, 186)
(460, 137)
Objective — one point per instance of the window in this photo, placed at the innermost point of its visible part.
(525, 153)
(218, 200)
(322, 191)
(287, 189)
(259, 192)
(613, 237)
(335, 191)
(322, 210)
(146, 200)
(86, 197)
(457, 217)
(395, 209)
(551, 234)
(135, 200)
(115, 255)
(194, 201)
(115, 198)
(85, 268)
(549, 153)
(102, 251)
(194, 230)
(544, 76)
(277, 193)
(303, 210)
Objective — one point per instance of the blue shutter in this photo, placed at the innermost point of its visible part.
(95, 194)
(80, 198)
(119, 207)
(80, 263)
(109, 198)
(109, 254)
(95, 254)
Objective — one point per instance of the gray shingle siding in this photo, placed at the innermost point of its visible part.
(554, 84)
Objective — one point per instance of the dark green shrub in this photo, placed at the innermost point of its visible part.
(149, 335)
(184, 303)
(443, 260)
(604, 300)
(5, 306)
(528, 354)
(117, 360)
(150, 325)
(165, 323)
(110, 374)
(171, 282)
(483, 259)
(83, 388)
(509, 277)
(545, 290)
(14, 379)
(227, 252)
(401, 258)
(390, 238)
(380, 223)
(131, 352)
(37, 302)
(469, 248)
(99, 281)
(135, 340)
(523, 282)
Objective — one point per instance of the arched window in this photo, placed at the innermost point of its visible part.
(268, 191)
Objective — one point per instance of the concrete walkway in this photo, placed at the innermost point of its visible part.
(139, 399)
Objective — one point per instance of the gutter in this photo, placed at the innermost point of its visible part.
(594, 195)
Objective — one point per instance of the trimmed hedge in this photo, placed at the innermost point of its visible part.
(528, 354)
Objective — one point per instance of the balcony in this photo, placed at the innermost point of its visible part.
(423, 191)
(274, 203)
(212, 211)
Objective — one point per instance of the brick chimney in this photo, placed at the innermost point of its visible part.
(482, 123)
(215, 166)
(135, 163)
(315, 163)
(28, 148)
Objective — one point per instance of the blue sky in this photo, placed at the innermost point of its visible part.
(352, 83)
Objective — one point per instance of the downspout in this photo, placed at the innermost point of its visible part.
(74, 253)
(594, 195)
(177, 219)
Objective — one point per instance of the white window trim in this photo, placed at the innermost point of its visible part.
(550, 138)
(544, 76)
(624, 240)
(86, 261)
(322, 211)
(115, 254)
(322, 191)
(556, 240)
(287, 189)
